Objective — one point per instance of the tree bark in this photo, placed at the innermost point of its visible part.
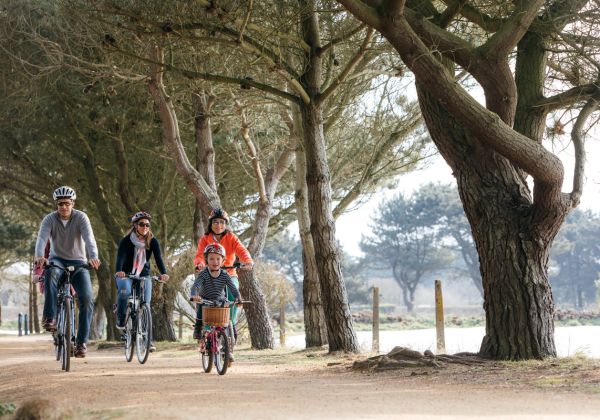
(163, 305)
(513, 249)
(205, 155)
(98, 321)
(340, 329)
(315, 327)
(107, 293)
(490, 151)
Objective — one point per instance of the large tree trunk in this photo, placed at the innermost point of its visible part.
(98, 321)
(163, 305)
(513, 249)
(315, 327)
(257, 314)
(340, 329)
(490, 152)
(107, 294)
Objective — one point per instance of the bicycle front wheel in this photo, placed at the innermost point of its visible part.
(222, 353)
(129, 335)
(66, 337)
(206, 354)
(144, 333)
(56, 335)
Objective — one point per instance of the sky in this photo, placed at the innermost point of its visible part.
(355, 223)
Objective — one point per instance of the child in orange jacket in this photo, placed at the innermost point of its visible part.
(218, 232)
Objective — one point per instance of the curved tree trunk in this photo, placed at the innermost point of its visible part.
(513, 248)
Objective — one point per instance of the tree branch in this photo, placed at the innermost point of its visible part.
(349, 67)
(578, 143)
(245, 132)
(172, 137)
(513, 29)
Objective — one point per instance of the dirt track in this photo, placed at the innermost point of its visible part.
(265, 385)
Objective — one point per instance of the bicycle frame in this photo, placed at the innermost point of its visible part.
(65, 334)
(138, 321)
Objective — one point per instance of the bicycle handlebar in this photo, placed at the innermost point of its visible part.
(70, 268)
(225, 303)
(138, 278)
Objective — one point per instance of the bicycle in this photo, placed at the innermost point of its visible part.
(64, 336)
(138, 321)
(216, 340)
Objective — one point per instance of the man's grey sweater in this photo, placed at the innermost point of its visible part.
(67, 242)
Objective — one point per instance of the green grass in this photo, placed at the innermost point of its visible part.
(7, 408)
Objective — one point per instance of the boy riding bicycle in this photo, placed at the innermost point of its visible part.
(210, 285)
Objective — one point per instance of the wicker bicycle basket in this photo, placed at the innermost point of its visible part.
(217, 317)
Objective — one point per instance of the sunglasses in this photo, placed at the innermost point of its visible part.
(64, 204)
(142, 224)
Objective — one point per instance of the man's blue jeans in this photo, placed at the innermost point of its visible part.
(83, 287)
(123, 292)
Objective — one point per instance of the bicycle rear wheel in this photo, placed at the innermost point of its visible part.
(129, 335)
(144, 333)
(222, 354)
(66, 337)
(206, 356)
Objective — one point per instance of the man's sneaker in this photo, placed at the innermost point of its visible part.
(49, 325)
(231, 359)
(80, 350)
(152, 348)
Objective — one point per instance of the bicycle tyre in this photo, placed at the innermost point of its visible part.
(144, 333)
(207, 356)
(222, 355)
(56, 335)
(129, 335)
(66, 361)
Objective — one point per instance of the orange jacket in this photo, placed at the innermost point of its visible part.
(233, 247)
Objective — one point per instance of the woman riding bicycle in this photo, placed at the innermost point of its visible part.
(210, 284)
(218, 232)
(133, 257)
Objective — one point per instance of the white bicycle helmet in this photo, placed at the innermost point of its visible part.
(140, 215)
(64, 192)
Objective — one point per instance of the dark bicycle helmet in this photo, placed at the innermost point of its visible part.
(214, 249)
(218, 213)
(64, 192)
(140, 215)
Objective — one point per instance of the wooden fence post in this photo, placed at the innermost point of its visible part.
(180, 331)
(439, 318)
(375, 345)
(282, 320)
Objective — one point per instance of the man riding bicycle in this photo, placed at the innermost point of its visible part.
(70, 234)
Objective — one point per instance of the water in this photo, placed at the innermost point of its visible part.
(570, 341)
